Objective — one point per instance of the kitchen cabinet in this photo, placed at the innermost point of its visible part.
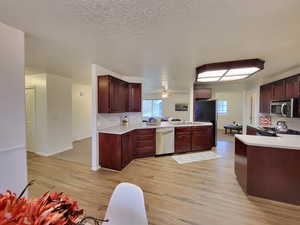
(266, 96)
(144, 143)
(251, 130)
(183, 139)
(202, 93)
(202, 138)
(135, 97)
(118, 96)
(279, 90)
(268, 172)
(127, 148)
(115, 151)
(292, 87)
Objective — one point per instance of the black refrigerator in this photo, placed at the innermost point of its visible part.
(206, 111)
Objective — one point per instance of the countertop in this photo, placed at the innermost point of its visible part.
(282, 141)
(125, 129)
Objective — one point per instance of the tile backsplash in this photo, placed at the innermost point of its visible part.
(105, 120)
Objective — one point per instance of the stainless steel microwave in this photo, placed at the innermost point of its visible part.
(286, 108)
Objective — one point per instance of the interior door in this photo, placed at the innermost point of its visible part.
(30, 117)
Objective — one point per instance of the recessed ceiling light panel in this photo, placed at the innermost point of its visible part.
(242, 71)
(208, 79)
(213, 73)
(228, 78)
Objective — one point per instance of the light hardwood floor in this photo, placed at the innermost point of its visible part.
(200, 193)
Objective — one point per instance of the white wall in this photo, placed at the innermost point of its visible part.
(59, 113)
(81, 111)
(13, 171)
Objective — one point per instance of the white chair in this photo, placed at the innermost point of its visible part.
(126, 206)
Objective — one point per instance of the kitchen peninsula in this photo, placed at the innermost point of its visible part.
(269, 167)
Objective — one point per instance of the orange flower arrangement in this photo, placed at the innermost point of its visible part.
(49, 209)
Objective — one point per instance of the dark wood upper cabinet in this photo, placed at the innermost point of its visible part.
(266, 97)
(202, 93)
(135, 97)
(279, 90)
(292, 87)
(118, 96)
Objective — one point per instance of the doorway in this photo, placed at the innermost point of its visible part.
(30, 118)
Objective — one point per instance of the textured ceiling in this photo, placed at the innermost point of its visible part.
(156, 39)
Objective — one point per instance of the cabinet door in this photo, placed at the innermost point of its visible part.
(144, 143)
(183, 139)
(115, 96)
(279, 90)
(118, 96)
(202, 138)
(126, 149)
(108, 158)
(202, 93)
(292, 87)
(123, 96)
(104, 94)
(266, 95)
(251, 130)
(135, 97)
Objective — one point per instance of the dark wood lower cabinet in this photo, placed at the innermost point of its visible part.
(110, 152)
(117, 151)
(196, 138)
(271, 173)
(183, 139)
(144, 143)
(127, 148)
(251, 130)
(202, 138)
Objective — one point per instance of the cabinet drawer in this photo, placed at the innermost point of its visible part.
(145, 137)
(202, 129)
(141, 144)
(183, 129)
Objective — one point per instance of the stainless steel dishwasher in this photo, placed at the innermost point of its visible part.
(164, 141)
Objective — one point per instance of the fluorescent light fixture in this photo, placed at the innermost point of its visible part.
(228, 78)
(242, 71)
(230, 70)
(208, 79)
(213, 73)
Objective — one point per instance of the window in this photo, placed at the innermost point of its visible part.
(222, 107)
(152, 108)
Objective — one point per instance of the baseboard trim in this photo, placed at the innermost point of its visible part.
(54, 153)
(81, 138)
(16, 148)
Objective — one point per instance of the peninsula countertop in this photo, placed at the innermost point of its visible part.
(284, 141)
(125, 129)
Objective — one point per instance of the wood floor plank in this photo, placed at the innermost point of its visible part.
(200, 193)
